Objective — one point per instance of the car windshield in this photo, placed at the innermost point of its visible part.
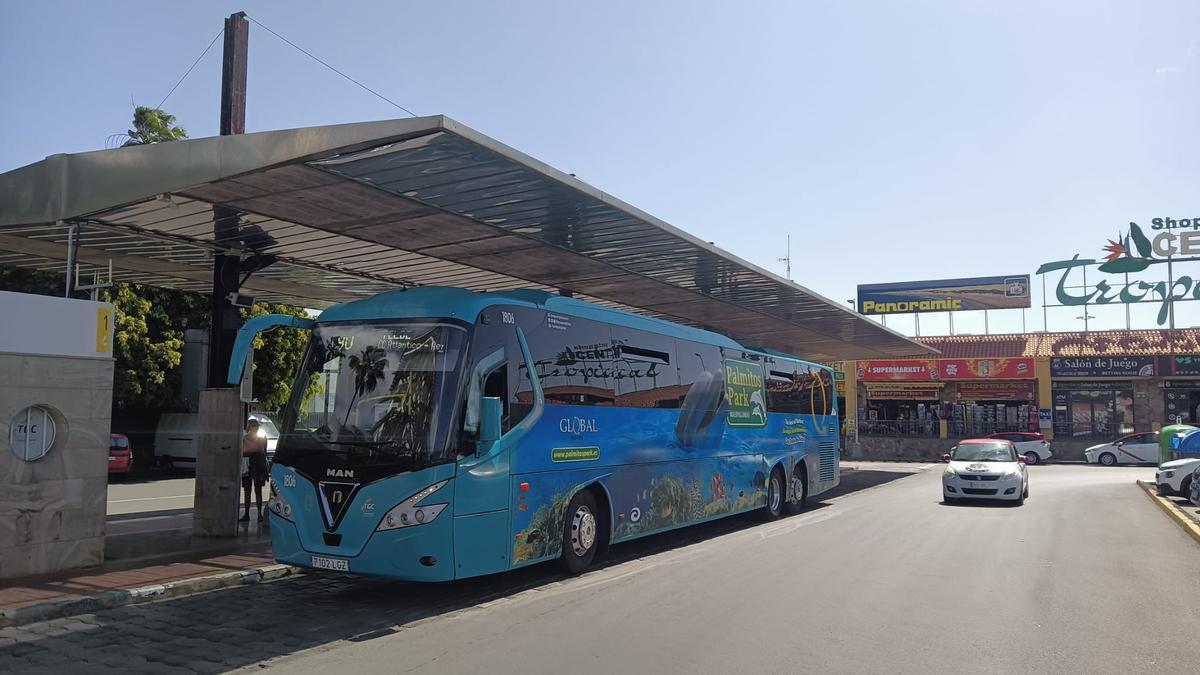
(984, 452)
(379, 393)
(266, 426)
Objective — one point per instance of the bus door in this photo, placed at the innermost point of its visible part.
(482, 491)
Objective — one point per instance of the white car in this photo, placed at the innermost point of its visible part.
(985, 468)
(1139, 448)
(1032, 445)
(1175, 477)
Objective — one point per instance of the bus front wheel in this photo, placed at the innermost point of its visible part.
(581, 532)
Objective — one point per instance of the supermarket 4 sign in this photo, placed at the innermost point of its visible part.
(929, 370)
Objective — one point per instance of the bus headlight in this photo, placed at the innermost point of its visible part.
(278, 504)
(407, 513)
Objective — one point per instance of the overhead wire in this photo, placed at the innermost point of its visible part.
(318, 60)
(193, 67)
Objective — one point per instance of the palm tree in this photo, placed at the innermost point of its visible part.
(368, 368)
(153, 125)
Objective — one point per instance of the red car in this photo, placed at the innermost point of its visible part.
(120, 454)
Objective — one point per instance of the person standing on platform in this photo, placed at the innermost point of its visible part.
(254, 448)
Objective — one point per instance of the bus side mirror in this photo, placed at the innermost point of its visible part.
(490, 412)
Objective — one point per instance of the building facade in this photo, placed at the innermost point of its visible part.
(1077, 389)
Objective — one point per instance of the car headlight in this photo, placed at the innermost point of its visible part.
(950, 471)
(407, 513)
(278, 504)
(1169, 474)
(1012, 473)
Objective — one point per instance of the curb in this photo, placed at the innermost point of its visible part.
(1172, 511)
(56, 609)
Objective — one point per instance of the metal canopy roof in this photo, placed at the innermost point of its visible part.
(351, 210)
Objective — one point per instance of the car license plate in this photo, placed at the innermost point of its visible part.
(111, 458)
(335, 564)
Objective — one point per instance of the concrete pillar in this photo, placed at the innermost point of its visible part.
(218, 463)
(1045, 395)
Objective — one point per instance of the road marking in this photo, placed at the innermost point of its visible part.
(149, 499)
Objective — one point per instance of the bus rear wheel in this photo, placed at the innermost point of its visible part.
(775, 492)
(581, 532)
(799, 489)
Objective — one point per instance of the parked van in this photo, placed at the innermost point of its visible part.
(177, 439)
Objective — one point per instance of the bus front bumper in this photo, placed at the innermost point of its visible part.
(422, 553)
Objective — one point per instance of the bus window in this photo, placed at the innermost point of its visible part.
(644, 368)
(799, 388)
(575, 361)
(702, 406)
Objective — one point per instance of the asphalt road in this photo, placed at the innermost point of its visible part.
(144, 495)
(1088, 576)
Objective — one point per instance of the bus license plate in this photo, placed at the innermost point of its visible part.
(334, 564)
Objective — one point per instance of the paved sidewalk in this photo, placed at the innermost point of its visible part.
(126, 582)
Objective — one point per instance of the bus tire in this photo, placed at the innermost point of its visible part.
(775, 496)
(799, 488)
(166, 463)
(581, 532)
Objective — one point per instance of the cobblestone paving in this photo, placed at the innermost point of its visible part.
(227, 629)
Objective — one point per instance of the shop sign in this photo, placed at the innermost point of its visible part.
(903, 394)
(1180, 384)
(945, 295)
(995, 391)
(1129, 254)
(918, 370)
(1102, 366)
(1185, 366)
(1093, 385)
(744, 394)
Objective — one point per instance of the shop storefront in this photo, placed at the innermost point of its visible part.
(971, 396)
(988, 407)
(1094, 396)
(906, 409)
(1181, 389)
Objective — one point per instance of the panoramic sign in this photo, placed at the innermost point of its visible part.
(1102, 366)
(1129, 254)
(945, 295)
(924, 370)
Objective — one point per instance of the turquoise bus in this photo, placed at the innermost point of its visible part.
(465, 433)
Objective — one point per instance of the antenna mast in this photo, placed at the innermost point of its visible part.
(788, 258)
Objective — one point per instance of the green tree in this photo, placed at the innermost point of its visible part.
(146, 373)
(153, 125)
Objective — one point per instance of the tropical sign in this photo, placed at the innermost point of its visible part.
(744, 390)
(1130, 253)
(945, 295)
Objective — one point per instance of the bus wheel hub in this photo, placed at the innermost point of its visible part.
(583, 531)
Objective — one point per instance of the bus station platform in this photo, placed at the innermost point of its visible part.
(125, 582)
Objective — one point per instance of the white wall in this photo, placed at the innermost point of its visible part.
(44, 325)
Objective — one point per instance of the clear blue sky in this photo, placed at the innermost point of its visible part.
(893, 140)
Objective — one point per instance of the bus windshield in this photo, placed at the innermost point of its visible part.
(376, 394)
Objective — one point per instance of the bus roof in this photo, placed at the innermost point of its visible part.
(466, 305)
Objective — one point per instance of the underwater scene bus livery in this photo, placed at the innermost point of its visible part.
(438, 433)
